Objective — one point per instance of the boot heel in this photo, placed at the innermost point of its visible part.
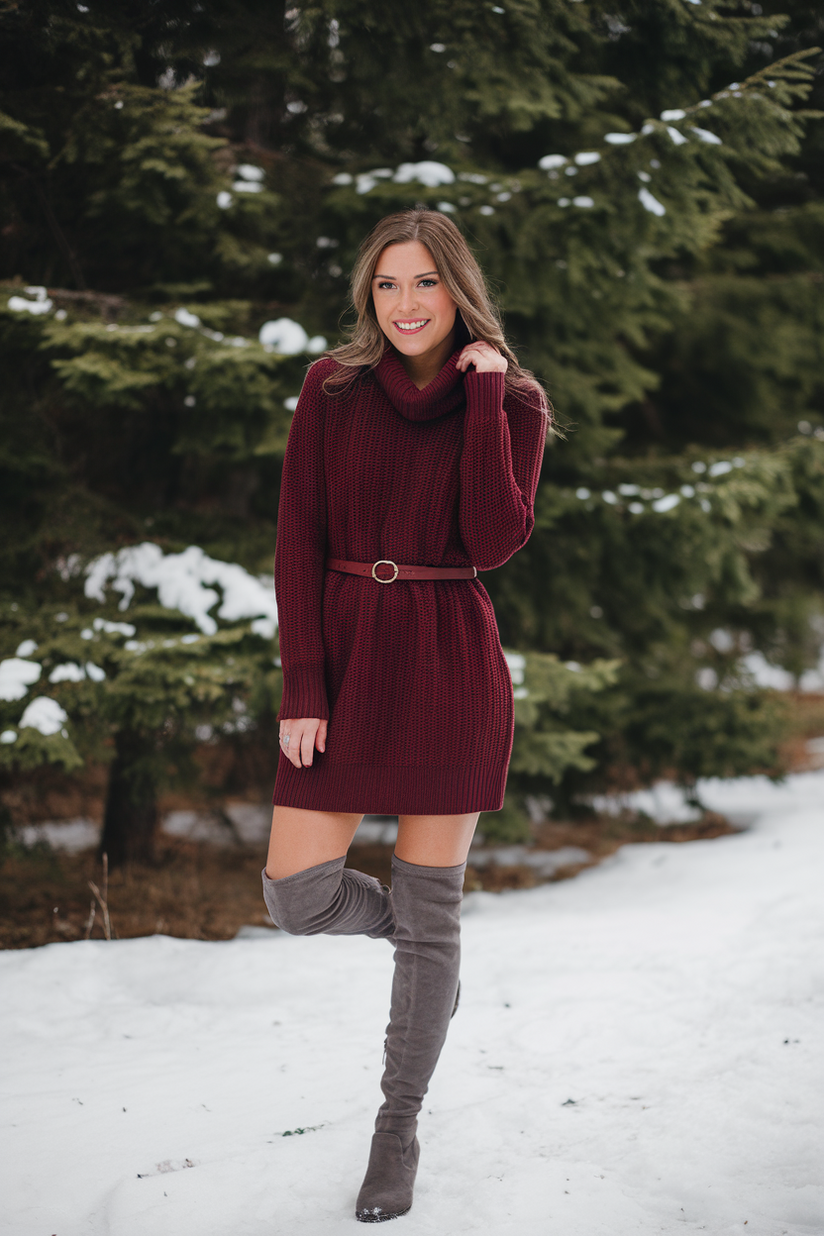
(386, 1192)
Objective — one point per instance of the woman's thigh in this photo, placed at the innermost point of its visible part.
(301, 839)
(435, 840)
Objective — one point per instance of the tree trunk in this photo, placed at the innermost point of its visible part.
(130, 821)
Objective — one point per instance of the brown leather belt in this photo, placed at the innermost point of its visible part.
(401, 572)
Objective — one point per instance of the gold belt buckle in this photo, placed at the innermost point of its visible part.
(385, 562)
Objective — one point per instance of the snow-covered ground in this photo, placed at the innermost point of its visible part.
(637, 1050)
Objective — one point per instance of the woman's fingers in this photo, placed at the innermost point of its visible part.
(307, 747)
(297, 740)
(484, 356)
(287, 739)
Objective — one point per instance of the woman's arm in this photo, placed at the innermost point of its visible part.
(500, 465)
(300, 555)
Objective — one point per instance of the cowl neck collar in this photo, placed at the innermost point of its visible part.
(442, 395)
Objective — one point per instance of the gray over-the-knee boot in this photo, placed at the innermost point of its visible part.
(427, 904)
(332, 899)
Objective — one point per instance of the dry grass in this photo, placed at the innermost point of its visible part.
(197, 891)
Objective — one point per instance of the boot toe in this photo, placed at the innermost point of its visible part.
(386, 1192)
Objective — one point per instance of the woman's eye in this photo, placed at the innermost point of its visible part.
(429, 283)
(381, 286)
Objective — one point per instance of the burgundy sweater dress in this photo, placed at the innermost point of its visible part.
(410, 675)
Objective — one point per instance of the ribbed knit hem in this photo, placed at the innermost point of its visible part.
(304, 693)
(370, 790)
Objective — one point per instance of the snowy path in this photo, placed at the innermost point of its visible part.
(671, 993)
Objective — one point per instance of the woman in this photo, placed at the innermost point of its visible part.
(412, 462)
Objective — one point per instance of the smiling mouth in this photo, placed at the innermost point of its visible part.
(411, 328)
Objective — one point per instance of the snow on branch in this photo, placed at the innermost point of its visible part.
(182, 582)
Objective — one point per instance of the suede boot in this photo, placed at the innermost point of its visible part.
(330, 899)
(427, 904)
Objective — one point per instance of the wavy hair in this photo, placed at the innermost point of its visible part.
(463, 279)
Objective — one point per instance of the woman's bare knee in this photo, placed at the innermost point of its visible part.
(301, 839)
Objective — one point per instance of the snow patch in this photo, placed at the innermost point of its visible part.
(185, 318)
(288, 338)
(706, 136)
(766, 675)
(69, 836)
(248, 171)
(426, 173)
(636, 1051)
(651, 203)
(16, 676)
(366, 181)
(44, 714)
(69, 671)
(114, 628)
(40, 304)
(180, 580)
(517, 666)
(667, 503)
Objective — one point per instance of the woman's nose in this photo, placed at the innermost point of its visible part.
(408, 303)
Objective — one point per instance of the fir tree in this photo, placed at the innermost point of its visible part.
(643, 186)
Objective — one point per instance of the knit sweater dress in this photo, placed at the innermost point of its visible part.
(410, 675)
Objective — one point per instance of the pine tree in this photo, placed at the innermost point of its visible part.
(177, 177)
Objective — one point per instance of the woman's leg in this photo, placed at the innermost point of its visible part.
(307, 887)
(300, 839)
(435, 840)
(427, 887)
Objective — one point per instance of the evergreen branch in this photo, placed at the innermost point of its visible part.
(55, 228)
(789, 69)
(109, 303)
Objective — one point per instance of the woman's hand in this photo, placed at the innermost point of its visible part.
(304, 734)
(484, 356)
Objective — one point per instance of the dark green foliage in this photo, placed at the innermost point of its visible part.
(176, 175)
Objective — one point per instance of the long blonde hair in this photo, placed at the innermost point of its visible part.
(463, 280)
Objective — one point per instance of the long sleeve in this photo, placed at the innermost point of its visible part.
(500, 466)
(300, 555)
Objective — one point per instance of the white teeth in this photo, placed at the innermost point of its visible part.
(411, 325)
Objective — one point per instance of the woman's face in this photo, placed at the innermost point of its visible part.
(414, 309)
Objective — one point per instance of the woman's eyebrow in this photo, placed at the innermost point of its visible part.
(395, 277)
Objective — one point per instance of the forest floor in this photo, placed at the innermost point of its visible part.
(200, 891)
